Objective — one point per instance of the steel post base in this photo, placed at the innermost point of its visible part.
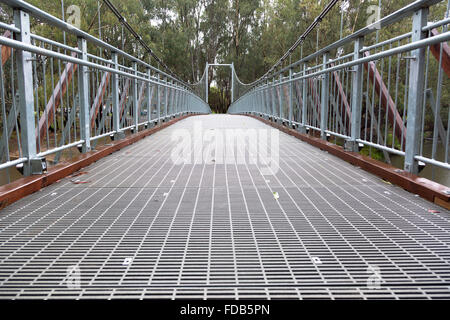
(119, 135)
(351, 146)
(301, 129)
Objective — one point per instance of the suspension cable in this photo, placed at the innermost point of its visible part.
(124, 22)
(300, 40)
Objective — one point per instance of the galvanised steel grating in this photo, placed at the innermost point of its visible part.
(145, 227)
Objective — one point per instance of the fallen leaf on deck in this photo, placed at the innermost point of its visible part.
(78, 174)
(79, 181)
(316, 260)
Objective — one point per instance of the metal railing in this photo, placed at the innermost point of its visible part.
(392, 95)
(56, 98)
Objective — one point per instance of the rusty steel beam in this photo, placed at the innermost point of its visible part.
(314, 97)
(386, 100)
(299, 100)
(6, 51)
(99, 97)
(55, 99)
(124, 97)
(141, 97)
(342, 96)
(436, 51)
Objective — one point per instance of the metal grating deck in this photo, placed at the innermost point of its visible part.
(214, 230)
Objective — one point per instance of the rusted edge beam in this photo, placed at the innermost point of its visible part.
(99, 97)
(436, 51)
(386, 100)
(141, 97)
(342, 96)
(425, 188)
(55, 99)
(124, 97)
(314, 97)
(6, 51)
(20, 188)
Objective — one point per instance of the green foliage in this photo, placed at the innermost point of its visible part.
(372, 152)
(251, 33)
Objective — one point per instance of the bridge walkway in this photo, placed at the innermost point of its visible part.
(136, 224)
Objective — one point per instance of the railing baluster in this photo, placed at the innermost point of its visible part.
(415, 93)
(135, 99)
(149, 97)
(304, 102)
(115, 96)
(83, 95)
(324, 99)
(166, 98)
(290, 97)
(25, 90)
(158, 101)
(352, 144)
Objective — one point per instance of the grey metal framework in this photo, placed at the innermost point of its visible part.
(93, 96)
(362, 90)
(145, 227)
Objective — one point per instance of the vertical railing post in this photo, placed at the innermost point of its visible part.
(273, 99)
(415, 93)
(206, 82)
(171, 99)
(174, 100)
(180, 104)
(25, 90)
(149, 96)
(251, 98)
(324, 99)
(260, 101)
(177, 94)
(186, 101)
(357, 87)
(115, 96)
(280, 100)
(232, 82)
(290, 97)
(166, 97)
(135, 99)
(304, 101)
(83, 95)
(183, 103)
(158, 100)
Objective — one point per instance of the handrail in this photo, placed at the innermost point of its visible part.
(390, 100)
(54, 21)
